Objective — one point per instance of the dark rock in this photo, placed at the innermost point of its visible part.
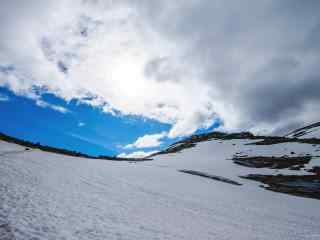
(210, 176)
(299, 185)
(272, 162)
(315, 169)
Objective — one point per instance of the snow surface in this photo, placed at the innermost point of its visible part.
(313, 133)
(50, 196)
(307, 133)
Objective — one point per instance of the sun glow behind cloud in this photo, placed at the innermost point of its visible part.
(99, 55)
(187, 63)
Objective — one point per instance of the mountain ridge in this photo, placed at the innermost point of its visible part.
(188, 142)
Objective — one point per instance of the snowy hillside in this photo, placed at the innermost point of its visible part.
(310, 131)
(194, 192)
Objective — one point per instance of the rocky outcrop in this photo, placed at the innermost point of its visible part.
(272, 162)
(298, 185)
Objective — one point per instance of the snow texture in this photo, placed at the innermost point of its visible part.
(311, 131)
(50, 196)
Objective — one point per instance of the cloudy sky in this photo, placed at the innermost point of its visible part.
(160, 69)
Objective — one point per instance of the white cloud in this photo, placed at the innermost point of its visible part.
(138, 154)
(4, 98)
(148, 140)
(108, 66)
(81, 124)
(185, 63)
(54, 107)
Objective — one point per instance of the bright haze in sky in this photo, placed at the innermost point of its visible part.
(184, 65)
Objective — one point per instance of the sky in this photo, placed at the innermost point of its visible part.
(129, 77)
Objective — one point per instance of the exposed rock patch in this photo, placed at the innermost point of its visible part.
(210, 176)
(298, 185)
(295, 163)
(315, 170)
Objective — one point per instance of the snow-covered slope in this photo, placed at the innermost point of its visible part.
(310, 131)
(50, 196)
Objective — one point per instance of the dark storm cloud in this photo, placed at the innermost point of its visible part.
(281, 91)
(261, 57)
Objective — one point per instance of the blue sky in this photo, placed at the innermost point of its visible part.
(185, 64)
(81, 128)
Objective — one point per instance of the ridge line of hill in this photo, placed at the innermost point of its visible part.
(188, 142)
(29, 144)
(191, 141)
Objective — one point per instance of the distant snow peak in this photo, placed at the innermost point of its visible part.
(310, 131)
